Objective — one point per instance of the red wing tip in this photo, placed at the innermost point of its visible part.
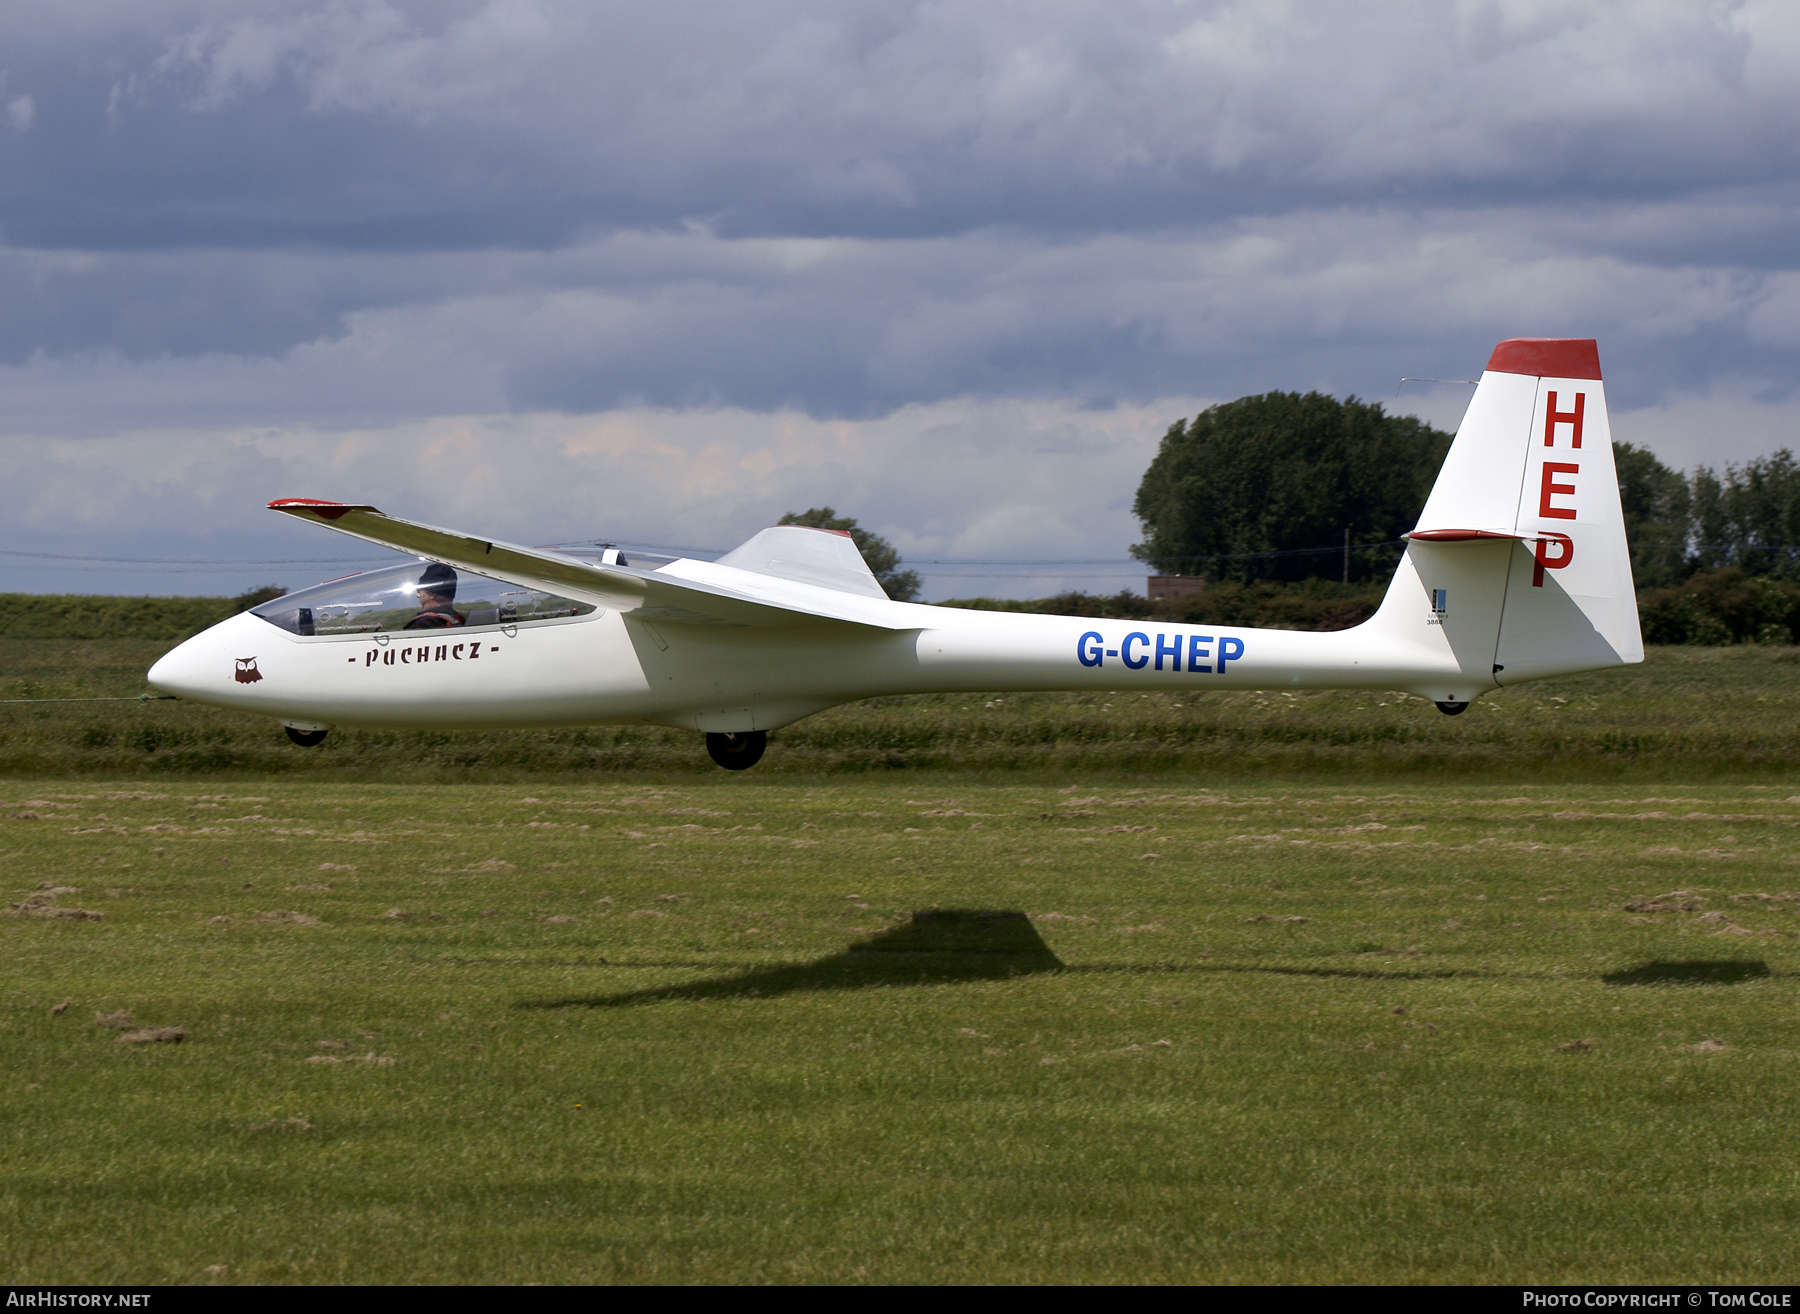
(318, 506)
(1548, 358)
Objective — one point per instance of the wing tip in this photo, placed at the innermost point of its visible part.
(318, 507)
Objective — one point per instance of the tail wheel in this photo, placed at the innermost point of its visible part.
(1453, 709)
(734, 752)
(306, 738)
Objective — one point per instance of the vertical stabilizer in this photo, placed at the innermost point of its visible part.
(1570, 602)
(1520, 553)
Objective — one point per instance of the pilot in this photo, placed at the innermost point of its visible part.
(437, 595)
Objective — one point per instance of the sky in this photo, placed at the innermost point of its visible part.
(656, 274)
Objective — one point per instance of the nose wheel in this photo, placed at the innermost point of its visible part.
(1453, 709)
(306, 738)
(736, 751)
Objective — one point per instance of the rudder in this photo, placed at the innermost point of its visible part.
(1570, 601)
(1520, 551)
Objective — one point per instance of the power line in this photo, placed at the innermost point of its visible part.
(1138, 563)
(130, 570)
(132, 698)
(232, 562)
(1022, 574)
(191, 561)
(216, 565)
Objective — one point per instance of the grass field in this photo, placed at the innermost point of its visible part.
(1249, 988)
(666, 1029)
(1719, 714)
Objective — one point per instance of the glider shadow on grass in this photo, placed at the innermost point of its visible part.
(1690, 971)
(938, 947)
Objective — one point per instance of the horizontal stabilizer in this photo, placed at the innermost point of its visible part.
(646, 594)
(1457, 535)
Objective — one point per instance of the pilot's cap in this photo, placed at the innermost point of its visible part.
(439, 579)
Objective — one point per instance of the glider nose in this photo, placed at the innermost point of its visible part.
(181, 671)
(213, 666)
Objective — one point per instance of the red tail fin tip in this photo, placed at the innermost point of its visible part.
(1548, 358)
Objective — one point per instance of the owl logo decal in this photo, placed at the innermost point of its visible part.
(246, 671)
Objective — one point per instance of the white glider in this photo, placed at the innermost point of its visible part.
(1518, 570)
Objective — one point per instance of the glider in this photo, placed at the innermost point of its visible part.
(1518, 569)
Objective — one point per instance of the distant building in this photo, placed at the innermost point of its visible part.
(1168, 588)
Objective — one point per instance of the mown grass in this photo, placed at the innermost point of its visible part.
(1716, 713)
(668, 1029)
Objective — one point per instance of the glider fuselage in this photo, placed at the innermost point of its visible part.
(1519, 569)
(608, 667)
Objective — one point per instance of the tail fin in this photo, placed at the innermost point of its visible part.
(1520, 552)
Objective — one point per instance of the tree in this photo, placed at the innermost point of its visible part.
(1749, 518)
(1659, 517)
(883, 560)
(1265, 487)
(257, 596)
(1762, 514)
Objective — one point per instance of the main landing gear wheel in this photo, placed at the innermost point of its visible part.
(306, 738)
(734, 752)
(1453, 709)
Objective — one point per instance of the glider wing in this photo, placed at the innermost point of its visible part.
(646, 594)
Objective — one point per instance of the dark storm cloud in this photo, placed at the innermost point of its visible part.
(350, 211)
(1342, 301)
(384, 126)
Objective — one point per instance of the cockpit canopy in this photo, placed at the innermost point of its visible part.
(413, 595)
